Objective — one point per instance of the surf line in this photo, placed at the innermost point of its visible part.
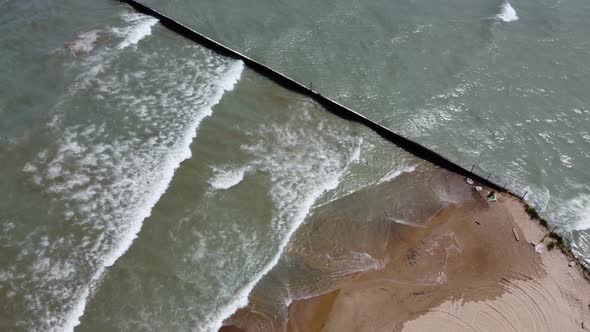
(330, 105)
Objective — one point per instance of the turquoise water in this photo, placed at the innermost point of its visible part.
(150, 184)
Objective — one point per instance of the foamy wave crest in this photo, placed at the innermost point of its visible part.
(140, 26)
(507, 13)
(573, 217)
(396, 172)
(303, 163)
(227, 178)
(110, 167)
(576, 213)
(135, 28)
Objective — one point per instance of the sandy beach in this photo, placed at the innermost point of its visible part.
(464, 270)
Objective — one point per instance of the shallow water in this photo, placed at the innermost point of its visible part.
(150, 183)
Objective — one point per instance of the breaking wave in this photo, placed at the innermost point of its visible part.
(227, 178)
(303, 163)
(396, 172)
(507, 13)
(110, 167)
(140, 26)
(576, 213)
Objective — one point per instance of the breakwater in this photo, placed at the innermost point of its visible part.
(330, 105)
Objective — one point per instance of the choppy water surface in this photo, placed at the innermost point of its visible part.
(150, 184)
(494, 83)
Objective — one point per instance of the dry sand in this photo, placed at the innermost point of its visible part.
(465, 271)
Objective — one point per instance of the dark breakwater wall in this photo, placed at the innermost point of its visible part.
(332, 106)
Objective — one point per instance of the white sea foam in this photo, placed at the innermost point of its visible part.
(356, 154)
(84, 42)
(406, 222)
(153, 194)
(396, 172)
(109, 180)
(227, 178)
(387, 177)
(136, 27)
(29, 168)
(139, 28)
(303, 164)
(576, 213)
(507, 13)
(574, 216)
(537, 196)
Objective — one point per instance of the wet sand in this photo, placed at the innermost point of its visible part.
(465, 271)
(462, 270)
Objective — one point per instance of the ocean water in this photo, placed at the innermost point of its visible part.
(151, 184)
(500, 85)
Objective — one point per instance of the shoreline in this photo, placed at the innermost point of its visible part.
(464, 265)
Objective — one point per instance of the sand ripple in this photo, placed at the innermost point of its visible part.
(526, 305)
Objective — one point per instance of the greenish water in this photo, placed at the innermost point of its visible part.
(150, 184)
